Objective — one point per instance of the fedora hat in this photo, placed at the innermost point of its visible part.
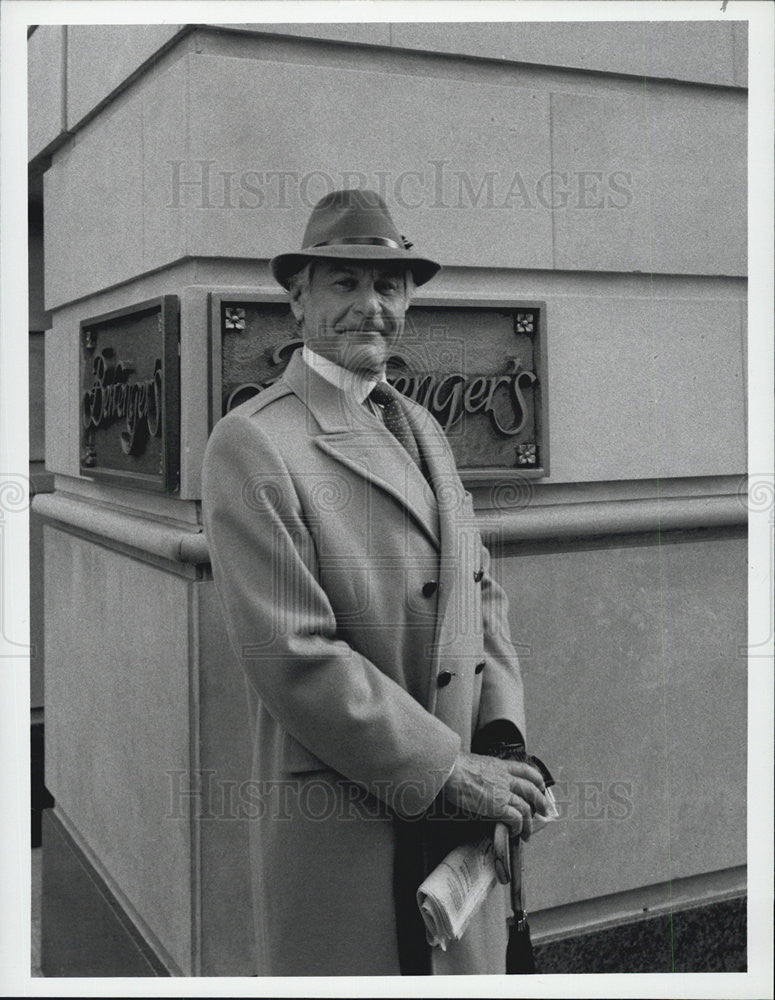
(352, 225)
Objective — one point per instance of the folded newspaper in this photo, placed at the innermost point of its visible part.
(455, 890)
(452, 893)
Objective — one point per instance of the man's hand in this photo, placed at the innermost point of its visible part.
(490, 788)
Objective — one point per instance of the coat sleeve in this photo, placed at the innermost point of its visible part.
(502, 694)
(328, 696)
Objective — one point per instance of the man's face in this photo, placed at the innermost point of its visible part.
(352, 314)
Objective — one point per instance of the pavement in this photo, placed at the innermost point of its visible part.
(37, 865)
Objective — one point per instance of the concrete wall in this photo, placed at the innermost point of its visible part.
(645, 179)
(117, 712)
(635, 681)
(67, 82)
(40, 480)
(45, 87)
(75, 68)
(599, 168)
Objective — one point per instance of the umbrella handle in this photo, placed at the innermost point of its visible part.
(502, 849)
(508, 865)
(517, 900)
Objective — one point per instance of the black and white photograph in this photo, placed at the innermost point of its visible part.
(386, 498)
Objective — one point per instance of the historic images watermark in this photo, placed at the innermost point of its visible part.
(208, 184)
(299, 555)
(16, 491)
(757, 495)
(324, 796)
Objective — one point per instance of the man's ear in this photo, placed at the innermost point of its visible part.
(296, 298)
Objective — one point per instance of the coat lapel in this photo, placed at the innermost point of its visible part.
(352, 435)
(450, 500)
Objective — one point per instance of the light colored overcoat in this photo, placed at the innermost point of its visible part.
(360, 603)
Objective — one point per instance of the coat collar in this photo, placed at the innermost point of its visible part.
(357, 385)
(353, 436)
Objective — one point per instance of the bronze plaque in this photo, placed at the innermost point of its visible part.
(130, 396)
(479, 369)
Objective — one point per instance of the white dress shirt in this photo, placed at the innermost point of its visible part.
(352, 383)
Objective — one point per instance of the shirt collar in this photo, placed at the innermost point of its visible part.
(351, 383)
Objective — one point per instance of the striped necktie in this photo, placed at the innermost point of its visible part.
(395, 419)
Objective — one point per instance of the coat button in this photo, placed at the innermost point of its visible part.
(479, 667)
(444, 678)
(478, 575)
(429, 588)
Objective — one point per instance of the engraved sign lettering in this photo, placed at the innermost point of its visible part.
(448, 397)
(479, 369)
(113, 395)
(130, 395)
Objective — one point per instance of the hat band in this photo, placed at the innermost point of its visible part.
(377, 241)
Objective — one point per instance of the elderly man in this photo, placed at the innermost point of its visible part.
(358, 598)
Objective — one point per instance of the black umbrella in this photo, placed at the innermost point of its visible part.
(520, 960)
(519, 952)
(510, 867)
